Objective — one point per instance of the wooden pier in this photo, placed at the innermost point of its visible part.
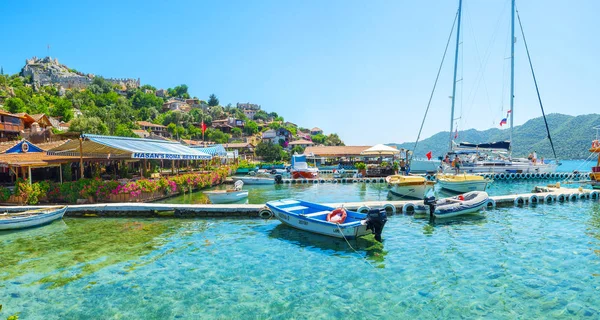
(553, 195)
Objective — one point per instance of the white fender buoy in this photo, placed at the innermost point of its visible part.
(322, 181)
(381, 180)
(265, 213)
(361, 180)
(363, 209)
(354, 181)
(343, 180)
(533, 199)
(293, 180)
(582, 195)
(511, 176)
(334, 181)
(491, 204)
(561, 198)
(367, 180)
(594, 195)
(548, 199)
(408, 208)
(390, 207)
(519, 201)
(572, 197)
(315, 181)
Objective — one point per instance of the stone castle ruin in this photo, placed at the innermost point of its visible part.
(47, 71)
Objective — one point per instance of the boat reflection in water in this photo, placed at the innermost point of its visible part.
(367, 246)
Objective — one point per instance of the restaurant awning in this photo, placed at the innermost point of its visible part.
(128, 148)
(215, 151)
(380, 150)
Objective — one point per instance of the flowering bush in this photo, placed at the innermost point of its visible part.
(4, 194)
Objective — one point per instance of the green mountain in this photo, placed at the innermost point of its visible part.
(572, 136)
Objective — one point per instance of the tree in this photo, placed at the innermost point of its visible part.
(333, 140)
(261, 115)
(145, 100)
(269, 151)
(251, 128)
(213, 101)
(236, 132)
(180, 91)
(15, 105)
(93, 125)
(216, 135)
(297, 149)
(319, 138)
(62, 108)
(217, 112)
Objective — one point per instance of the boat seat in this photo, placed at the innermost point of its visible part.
(315, 214)
(296, 208)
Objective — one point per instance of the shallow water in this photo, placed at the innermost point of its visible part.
(540, 262)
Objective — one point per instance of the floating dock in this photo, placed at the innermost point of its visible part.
(581, 176)
(259, 210)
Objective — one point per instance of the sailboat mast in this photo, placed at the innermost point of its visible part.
(455, 69)
(512, 72)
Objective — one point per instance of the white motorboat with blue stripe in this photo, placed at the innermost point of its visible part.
(312, 217)
(468, 203)
(30, 218)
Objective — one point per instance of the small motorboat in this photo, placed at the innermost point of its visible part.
(408, 186)
(462, 183)
(329, 221)
(301, 170)
(468, 203)
(229, 195)
(253, 180)
(31, 218)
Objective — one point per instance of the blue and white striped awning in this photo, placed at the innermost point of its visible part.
(216, 151)
(128, 148)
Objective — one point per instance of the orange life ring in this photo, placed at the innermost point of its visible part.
(337, 216)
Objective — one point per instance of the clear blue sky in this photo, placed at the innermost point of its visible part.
(363, 69)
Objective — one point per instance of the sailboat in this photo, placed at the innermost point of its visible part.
(495, 157)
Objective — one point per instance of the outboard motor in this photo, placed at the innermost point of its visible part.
(430, 202)
(376, 219)
(278, 179)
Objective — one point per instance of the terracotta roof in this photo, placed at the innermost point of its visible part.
(191, 142)
(34, 159)
(335, 151)
(149, 124)
(302, 141)
(239, 145)
(316, 129)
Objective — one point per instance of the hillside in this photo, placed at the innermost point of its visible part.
(571, 135)
(93, 104)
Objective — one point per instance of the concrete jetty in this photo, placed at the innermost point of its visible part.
(547, 195)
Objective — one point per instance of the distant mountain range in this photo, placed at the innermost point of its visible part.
(571, 135)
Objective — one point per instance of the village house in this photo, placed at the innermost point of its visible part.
(176, 105)
(301, 143)
(10, 126)
(249, 113)
(280, 136)
(161, 93)
(248, 105)
(314, 131)
(225, 125)
(245, 149)
(157, 129)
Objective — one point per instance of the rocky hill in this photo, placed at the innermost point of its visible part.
(48, 71)
(571, 135)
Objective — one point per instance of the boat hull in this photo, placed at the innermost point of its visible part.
(303, 220)
(503, 168)
(255, 180)
(463, 186)
(304, 174)
(217, 197)
(474, 205)
(416, 191)
(424, 166)
(32, 221)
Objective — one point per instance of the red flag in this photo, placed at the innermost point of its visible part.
(203, 126)
(428, 155)
(503, 121)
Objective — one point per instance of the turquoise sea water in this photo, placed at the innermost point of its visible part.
(528, 263)
(357, 192)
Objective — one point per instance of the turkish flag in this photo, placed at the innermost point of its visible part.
(203, 126)
(428, 155)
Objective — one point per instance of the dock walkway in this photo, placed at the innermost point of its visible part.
(260, 210)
